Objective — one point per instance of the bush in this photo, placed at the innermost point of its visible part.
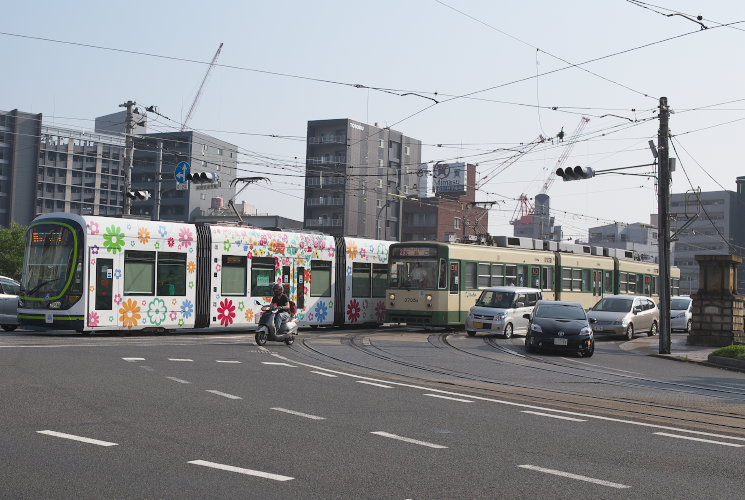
(731, 351)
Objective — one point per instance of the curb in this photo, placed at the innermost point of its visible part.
(729, 363)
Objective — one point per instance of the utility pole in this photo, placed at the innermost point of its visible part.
(158, 180)
(663, 234)
(128, 155)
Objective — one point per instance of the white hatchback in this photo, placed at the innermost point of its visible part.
(680, 313)
(501, 310)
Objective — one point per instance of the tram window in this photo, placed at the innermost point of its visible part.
(547, 278)
(497, 274)
(632, 283)
(262, 276)
(379, 279)
(171, 274)
(586, 280)
(675, 286)
(104, 283)
(608, 282)
(576, 280)
(361, 279)
(522, 276)
(532, 298)
(233, 278)
(139, 272)
(566, 279)
(469, 277)
(510, 275)
(653, 290)
(624, 283)
(443, 283)
(320, 278)
(483, 277)
(640, 284)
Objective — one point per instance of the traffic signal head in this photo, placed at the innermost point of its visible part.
(202, 177)
(575, 173)
(138, 195)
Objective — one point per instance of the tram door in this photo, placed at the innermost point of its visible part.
(454, 289)
(597, 283)
(101, 301)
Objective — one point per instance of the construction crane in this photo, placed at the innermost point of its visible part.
(201, 88)
(525, 210)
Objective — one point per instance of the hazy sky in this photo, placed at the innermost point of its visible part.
(310, 55)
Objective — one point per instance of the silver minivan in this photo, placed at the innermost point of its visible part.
(9, 289)
(625, 315)
(501, 310)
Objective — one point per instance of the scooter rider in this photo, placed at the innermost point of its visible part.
(283, 303)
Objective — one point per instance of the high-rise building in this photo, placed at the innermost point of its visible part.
(356, 178)
(637, 237)
(19, 150)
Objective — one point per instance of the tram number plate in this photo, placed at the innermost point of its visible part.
(478, 324)
(560, 341)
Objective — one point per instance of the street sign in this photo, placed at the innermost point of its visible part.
(182, 186)
(181, 171)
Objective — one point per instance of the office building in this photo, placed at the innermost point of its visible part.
(640, 238)
(19, 150)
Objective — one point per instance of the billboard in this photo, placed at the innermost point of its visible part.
(449, 178)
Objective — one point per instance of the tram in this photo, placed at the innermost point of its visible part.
(435, 284)
(90, 273)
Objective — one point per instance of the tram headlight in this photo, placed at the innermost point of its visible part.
(392, 298)
(429, 300)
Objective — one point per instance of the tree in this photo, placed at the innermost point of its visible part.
(12, 243)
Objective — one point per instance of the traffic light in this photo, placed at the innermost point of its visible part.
(139, 195)
(201, 177)
(575, 173)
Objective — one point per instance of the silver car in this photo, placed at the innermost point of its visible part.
(501, 310)
(680, 313)
(9, 290)
(625, 315)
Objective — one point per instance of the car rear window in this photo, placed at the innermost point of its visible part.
(613, 305)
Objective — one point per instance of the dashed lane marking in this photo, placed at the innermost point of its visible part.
(132, 360)
(147, 368)
(323, 373)
(299, 414)
(180, 381)
(553, 416)
(373, 383)
(185, 360)
(229, 361)
(224, 394)
(575, 476)
(407, 440)
(448, 397)
(277, 364)
(77, 438)
(241, 470)
(700, 440)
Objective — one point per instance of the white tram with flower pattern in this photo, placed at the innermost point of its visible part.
(90, 273)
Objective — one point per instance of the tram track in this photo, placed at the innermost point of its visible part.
(561, 397)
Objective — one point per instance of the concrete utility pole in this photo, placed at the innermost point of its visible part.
(663, 235)
(128, 155)
(158, 180)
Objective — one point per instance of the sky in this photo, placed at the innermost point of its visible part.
(484, 80)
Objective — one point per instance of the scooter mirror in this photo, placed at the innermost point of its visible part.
(257, 302)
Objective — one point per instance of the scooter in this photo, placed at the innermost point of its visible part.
(266, 329)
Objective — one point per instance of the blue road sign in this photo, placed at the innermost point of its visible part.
(181, 171)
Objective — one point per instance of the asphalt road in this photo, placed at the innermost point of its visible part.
(360, 414)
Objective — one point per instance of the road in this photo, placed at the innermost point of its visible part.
(388, 413)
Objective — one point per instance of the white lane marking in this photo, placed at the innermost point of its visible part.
(448, 397)
(180, 381)
(277, 364)
(228, 361)
(553, 416)
(519, 405)
(148, 368)
(699, 439)
(323, 373)
(299, 414)
(600, 366)
(181, 359)
(77, 438)
(132, 360)
(575, 476)
(241, 470)
(374, 383)
(224, 394)
(407, 440)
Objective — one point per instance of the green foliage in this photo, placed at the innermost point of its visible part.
(12, 243)
(731, 351)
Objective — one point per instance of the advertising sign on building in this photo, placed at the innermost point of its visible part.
(449, 178)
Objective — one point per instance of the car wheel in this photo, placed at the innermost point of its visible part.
(587, 353)
(630, 332)
(507, 331)
(529, 347)
(689, 325)
(9, 328)
(653, 330)
(470, 333)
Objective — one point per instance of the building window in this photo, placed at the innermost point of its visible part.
(456, 223)
(407, 150)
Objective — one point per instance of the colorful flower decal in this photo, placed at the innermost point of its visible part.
(353, 310)
(263, 241)
(380, 311)
(181, 322)
(143, 234)
(118, 298)
(363, 253)
(226, 246)
(132, 243)
(352, 251)
(321, 310)
(162, 231)
(249, 315)
(191, 284)
(95, 249)
(173, 315)
(277, 246)
(241, 305)
(191, 266)
(332, 252)
(93, 319)
(113, 239)
(156, 312)
(173, 301)
(93, 227)
(93, 262)
(331, 304)
(157, 245)
(226, 312)
(171, 242)
(129, 314)
(117, 273)
(187, 308)
(185, 238)
(218, 268)
(91, 288)
(310, 317)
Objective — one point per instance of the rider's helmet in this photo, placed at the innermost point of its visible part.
(277, 288)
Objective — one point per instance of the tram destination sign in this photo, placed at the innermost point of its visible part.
(414, 252)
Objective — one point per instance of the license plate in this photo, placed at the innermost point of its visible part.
(478, 324)
(597, 328)
(560, 341)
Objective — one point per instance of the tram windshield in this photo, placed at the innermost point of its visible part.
(48, 259)
(413, 273)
